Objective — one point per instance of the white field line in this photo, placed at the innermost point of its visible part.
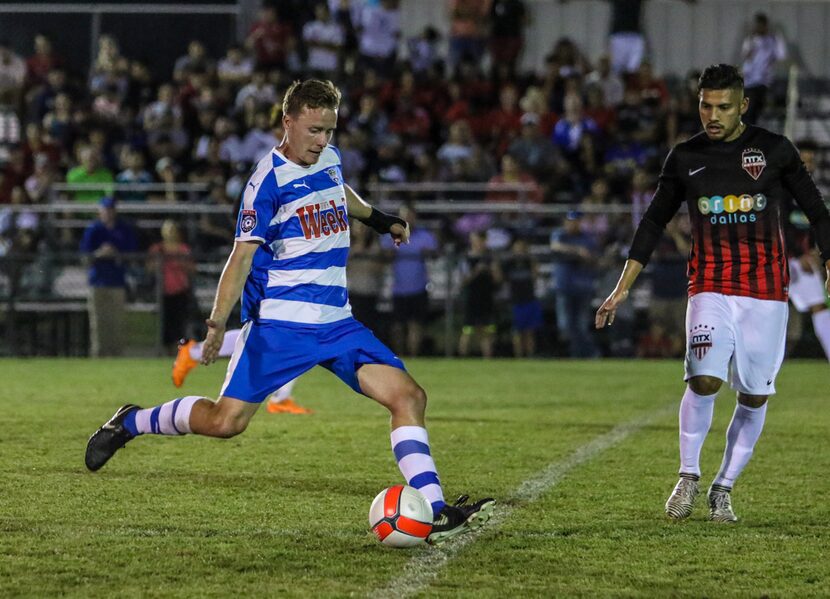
(422, 569)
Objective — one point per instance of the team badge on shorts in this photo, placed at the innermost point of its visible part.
(753, 162)
(700, 340)
(334, 175)
(248, 221)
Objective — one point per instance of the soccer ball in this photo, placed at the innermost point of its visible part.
(401, 516)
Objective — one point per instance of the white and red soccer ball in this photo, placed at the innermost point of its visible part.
(401, 516)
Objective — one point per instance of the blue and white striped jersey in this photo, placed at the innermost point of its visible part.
(299, 213)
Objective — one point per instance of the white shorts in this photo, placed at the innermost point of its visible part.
(736, 339)
(806, 288)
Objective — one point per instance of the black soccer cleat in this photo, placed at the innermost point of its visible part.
(459, 518)
(108, 439)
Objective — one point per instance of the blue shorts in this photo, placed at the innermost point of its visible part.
(527, 316)
(269, 354)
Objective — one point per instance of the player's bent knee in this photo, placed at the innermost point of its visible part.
(752, 401)
(705, 385)
(411, 399)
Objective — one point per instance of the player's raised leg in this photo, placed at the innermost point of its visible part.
(281, 401)
(396, 390)
(191, 414)
(190, 354)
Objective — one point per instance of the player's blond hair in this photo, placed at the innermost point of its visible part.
(313, 93)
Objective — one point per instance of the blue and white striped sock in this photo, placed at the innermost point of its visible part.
(411, 447)
(171, 418)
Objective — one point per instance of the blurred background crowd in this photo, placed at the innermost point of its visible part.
(569, 154)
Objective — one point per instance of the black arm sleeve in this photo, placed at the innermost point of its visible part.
(664, 205)
(800, 184)
(382, 222)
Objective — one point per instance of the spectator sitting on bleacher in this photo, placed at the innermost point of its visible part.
(270, 40)
(134, 172)
(12, 75)
(90, 171)
(42, 61)
(324, 38)
(235, 68)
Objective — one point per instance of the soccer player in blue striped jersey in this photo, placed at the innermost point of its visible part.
(289, 265)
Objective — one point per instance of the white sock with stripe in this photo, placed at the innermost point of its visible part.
(821, 326)
(741, 436)
(225, 351)
(695, 420)
(283, 392)
(411, 447)
(171, 418)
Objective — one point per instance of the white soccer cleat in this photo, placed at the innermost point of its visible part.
(682, 499)
(720, 505)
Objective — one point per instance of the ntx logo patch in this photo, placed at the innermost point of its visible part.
(247, 221)
(700, 340)
(730, 209)
(321, 222)
(753, 161)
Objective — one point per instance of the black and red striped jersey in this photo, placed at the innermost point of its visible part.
(737, 193)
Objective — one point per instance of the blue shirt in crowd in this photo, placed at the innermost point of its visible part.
(108, 272)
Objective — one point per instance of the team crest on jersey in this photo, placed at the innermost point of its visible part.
(248, 221)
(753, 161)
(700, 340)
(335, 176)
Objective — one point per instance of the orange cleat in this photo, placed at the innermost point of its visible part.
(184, 363)
(287, 406)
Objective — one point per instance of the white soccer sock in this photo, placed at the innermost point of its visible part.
(228, 343)
(821, 325)
(171, 418)
(695, 420)
(411, 447)
(283, 392)
(741, 437)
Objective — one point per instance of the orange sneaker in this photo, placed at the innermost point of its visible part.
(287, 406)
(184, 363)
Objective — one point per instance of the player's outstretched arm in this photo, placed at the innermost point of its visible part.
(381, 222)
(608, 310)
(227, 293)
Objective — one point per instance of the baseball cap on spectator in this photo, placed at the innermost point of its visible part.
(530, 118)
(574, 215)
(107, 202)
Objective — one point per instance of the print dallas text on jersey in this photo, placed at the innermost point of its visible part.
(732, 205)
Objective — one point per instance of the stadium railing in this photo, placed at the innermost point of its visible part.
(54, 284)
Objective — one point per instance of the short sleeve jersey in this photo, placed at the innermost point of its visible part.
(737, 193)
(298, 274)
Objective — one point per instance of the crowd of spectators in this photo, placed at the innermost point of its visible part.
(576, 133)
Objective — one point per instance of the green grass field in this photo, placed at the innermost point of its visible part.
(580, 455)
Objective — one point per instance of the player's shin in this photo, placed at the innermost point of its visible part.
(695, 421)
(741, 436)
(411, 447)
(171, 418)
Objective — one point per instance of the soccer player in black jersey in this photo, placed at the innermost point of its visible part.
(736, 180)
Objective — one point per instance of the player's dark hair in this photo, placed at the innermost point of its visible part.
(312, 93)
(720, 76)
